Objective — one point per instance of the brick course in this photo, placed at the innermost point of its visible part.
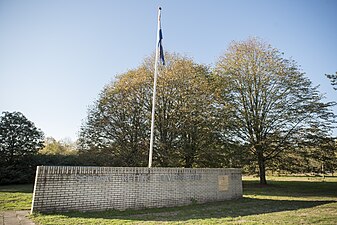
(67, 188)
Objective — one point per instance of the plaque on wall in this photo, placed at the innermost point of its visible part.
(223, 183)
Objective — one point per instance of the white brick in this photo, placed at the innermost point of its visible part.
(99, 188)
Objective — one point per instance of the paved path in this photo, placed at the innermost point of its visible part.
(15, 218)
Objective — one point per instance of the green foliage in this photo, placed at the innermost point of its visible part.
(18, 137)
(58, 160)
(54, 147)
(20, 173)
(22, 149)
(117, 127)
(115, 130)
(274, 106)
(20, 141)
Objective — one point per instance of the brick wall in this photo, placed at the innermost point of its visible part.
(62, 188)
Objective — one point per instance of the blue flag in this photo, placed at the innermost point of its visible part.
(161, 50)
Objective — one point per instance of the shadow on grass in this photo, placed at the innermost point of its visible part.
(291, 188)
(21, 188)
(233, 208)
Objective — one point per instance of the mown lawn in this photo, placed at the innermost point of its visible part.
(16, 197)
(286, 200)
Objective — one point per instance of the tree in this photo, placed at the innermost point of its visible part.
(316, 156)
(324, 155)
(333, 79)
(18, 137)
(54, 147)
(275, 105)
(186, 119)
(118, 124)
(20, 140)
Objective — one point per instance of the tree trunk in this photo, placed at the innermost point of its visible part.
(262, 168)
(188, 161)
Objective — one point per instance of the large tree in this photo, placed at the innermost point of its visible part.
(186, 118)
(19, 137)
(20, 141)
(275, 106)
(118, 124)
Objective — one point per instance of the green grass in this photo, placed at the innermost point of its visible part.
(16, 197)
(286, 200)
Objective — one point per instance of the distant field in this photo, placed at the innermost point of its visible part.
(286, 200)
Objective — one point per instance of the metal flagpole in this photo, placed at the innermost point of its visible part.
(154, 88)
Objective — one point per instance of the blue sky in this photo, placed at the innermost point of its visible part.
(56, 56)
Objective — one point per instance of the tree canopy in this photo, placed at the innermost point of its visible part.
(20, 141)
(118, 124)
(18, 137)
(54, 147)
(276, 107)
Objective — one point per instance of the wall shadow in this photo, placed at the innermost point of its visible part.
(292, 188)
(17, 188)
(233, 208)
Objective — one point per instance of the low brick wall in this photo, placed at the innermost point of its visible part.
(62, 188)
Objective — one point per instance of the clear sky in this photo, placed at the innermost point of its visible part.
(56, 55)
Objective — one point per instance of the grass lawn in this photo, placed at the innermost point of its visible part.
(286, 200)
(16, 197)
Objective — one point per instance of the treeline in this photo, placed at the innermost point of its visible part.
(18, 161)
(254, 109)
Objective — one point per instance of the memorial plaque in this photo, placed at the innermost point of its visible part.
(223, 183)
